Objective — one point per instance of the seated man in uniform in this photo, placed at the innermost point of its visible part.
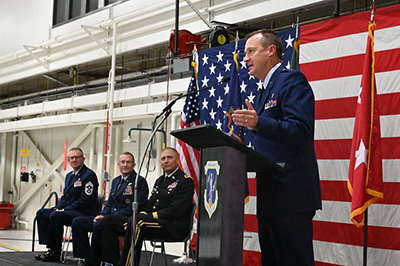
(79, 199)
(119, 206)
(167, 213)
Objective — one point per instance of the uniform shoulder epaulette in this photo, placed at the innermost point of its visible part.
(188, 176)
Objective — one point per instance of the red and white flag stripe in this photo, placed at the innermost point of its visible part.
(331, 56)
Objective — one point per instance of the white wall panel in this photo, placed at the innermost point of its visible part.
(89, 100)
(9, 113)
(179, 105)
(59, 120)
(130, 111)
(29, 123)
(175, 86)
(131, 93)
(156, 108)
(180, 85)
(57, 105)
(158, 88)
(89, 117)
(9, 126)
(36, 108)
(31, 18)
(95, 100)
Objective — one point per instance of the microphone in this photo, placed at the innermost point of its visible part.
(169, 106)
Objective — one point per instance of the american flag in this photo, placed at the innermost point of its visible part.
(332, 53)
(213, 65)
(331, 56)
(189, 157)
(233, 102)
(217, 63)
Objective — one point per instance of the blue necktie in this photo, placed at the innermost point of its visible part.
(73, 178)
(120, 183)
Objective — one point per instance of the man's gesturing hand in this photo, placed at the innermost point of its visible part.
(247, 118)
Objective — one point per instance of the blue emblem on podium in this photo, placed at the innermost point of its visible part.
(211, 192)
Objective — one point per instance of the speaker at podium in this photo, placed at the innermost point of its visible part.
(224, 163)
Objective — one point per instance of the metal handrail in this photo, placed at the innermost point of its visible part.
(34, 220)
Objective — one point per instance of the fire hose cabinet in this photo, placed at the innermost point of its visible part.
(5, 217)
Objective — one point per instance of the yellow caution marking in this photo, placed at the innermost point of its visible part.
(16, 249)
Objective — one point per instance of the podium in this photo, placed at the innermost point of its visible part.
(222, 185)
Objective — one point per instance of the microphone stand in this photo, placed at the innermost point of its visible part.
(135, 205)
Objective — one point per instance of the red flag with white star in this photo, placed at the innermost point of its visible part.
(365, 169)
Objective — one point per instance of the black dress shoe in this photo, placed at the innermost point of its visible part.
(41, 256)
(51, 256)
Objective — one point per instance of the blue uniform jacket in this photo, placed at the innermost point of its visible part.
(285, 134)
(120, 201)
(80, 193)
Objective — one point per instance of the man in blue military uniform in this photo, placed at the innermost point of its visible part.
(119, 207)
(167, 213)
(79, 199)
(282, 127)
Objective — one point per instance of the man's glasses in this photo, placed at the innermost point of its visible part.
(74, 157)
(125, 162)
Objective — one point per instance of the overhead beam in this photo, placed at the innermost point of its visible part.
(31, 48)
(55, 80)
(88, 29)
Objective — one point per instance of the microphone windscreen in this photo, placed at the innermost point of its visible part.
(226, 79)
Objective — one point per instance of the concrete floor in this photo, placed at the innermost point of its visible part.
(18, 240)
(16, 250)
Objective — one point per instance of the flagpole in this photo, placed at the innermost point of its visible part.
(365, 248)
(372, 11)
(365, 253)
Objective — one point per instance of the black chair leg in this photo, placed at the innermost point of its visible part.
(165, 255)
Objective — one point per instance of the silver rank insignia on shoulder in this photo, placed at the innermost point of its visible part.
(89, 188)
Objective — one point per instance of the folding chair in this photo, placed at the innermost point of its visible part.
(162, 241)
(67, 239)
